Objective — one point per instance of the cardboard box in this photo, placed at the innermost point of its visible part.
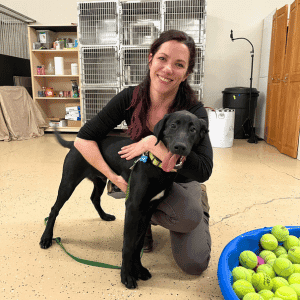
(57, 122)
(74, 123)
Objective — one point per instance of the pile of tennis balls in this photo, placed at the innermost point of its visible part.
(275, 273)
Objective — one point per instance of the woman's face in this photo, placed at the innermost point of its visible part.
(168, 67)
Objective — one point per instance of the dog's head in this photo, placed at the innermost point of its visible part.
(179, 131)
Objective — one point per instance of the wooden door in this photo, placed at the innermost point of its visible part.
(277, 55)
(290, 111)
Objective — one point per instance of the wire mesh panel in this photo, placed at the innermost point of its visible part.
(99, 66)
(186, 15)
(134, 64)
(141, 22)
(198, 91)
(94, 100)
(13, 33)
(98, 23)
(197, 76)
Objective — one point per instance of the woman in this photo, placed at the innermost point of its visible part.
(165, 89)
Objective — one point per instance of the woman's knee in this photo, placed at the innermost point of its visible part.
(192, 220)
(195, 266)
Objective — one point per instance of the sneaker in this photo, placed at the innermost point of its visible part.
(148, 241)
(114, 191)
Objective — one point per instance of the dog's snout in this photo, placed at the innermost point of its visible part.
(180, 148)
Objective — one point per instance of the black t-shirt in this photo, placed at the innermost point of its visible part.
(199, 163)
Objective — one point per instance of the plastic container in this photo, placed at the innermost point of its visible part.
(229, 258)
(74, 69)
(237, 98)
(221, 127)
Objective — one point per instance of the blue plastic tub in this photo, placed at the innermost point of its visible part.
(229, 258)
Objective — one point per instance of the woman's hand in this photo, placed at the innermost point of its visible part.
(131, 151)
(120, 182)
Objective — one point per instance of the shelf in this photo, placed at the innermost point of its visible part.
(54, 50)
(64, 129)
(58, 28)
(51, 76)
(57, 98)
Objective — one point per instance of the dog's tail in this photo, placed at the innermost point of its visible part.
(64, 143)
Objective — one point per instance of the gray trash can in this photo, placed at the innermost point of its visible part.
(237, 98)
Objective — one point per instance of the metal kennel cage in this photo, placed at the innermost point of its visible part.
(98, 23)
(100, 66)
(141, 22)
(95, 100)
(188, 16)
(134, 65)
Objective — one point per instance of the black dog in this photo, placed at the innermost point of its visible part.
(179, 131)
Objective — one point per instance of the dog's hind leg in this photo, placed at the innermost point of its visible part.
(65, 191)
(99, 186)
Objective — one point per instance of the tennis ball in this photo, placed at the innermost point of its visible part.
(296, 288)
(284, 256)
(241, 273)
(270, 262)
(279, 282)
(262, 281)
(266, 269)
(266, 255)
(248, 259)
(242, 287)
(294, 278)
(251, 272)
(296, 268)
(275, 298)
(279, 250)
(253, 296)
(280, 232)
(266, 294)
(294, 254)
(290, 242)
(286, 293)
(268, 241)
(283, 267)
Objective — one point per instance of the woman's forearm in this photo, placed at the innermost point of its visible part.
(90, 151)
(159, 150)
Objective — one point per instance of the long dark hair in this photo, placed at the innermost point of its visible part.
(185, 97)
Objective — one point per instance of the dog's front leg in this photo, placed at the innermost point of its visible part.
(137, 218)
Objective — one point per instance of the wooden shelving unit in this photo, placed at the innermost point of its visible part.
(54, 107)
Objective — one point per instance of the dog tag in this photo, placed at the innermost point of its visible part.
(144, 158)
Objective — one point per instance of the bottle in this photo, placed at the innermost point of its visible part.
(75, 89)
(50, 68)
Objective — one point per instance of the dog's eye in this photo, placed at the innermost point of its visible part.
(193, 129)
(173, 125)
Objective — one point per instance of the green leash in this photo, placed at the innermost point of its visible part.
(90, 262)
(83, 261)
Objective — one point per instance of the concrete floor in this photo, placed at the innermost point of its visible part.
(252, 186)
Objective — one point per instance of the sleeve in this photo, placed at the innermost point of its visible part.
(199, 163)
(115, 111)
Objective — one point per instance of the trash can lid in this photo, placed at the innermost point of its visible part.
(240, 90)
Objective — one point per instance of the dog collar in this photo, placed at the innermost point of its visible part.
(156, 161)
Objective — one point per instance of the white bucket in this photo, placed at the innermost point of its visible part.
(221, 127)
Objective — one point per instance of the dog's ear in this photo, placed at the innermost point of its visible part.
(203, 128)
(159, 128)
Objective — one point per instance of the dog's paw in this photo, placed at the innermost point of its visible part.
(107, 217)
(144, 274)
(128, 280)
(45, 243)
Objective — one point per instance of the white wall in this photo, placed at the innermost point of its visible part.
(227, 63)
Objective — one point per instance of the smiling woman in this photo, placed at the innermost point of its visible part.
(185, 210)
